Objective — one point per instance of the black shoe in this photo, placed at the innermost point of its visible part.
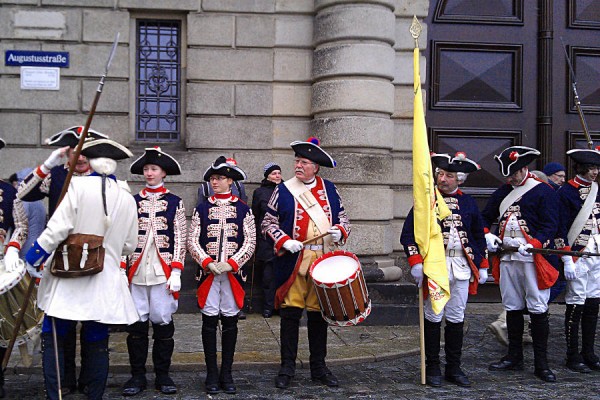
(241, 315)
(328, 379)
(166, 389)
(267, 313)
(212, 388)
(506, 365)
(458, 379)
(593, 365)
(228, 387)
(283, 381)
(545, 374)
(433, 380)
(68, 390)
(134, 386)
(578, 366)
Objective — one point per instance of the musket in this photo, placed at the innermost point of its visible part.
(577, 101)
(75, 156)
(533, 250)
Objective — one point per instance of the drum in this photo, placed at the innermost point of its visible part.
(341, 288)
(14, 287)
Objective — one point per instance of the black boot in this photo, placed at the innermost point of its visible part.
(69, 380)
(589, 322)
(432, 335)
(209, 344)
(453, 337)
(2, 353)
(513, 361)
(96, 367)
(162, 351)
(572, 320)
(228, 341)
(137, 347)
(49, 364)
(317, 345)
(289, 331)
(540, 329)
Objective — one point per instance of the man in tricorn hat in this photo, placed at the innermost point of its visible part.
(155, 271)
(466, 261)
(300, 209)
(14, 219)
(94, 206)
(47, 181)
(580, 216)
(222, 238)
(527, 211)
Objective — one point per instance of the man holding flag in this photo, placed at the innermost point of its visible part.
(526, 210)
(466, 266)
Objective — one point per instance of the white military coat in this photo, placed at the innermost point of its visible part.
(103, 297)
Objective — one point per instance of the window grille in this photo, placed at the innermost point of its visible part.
(158, 80)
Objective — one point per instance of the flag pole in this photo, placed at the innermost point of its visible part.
(415, 31)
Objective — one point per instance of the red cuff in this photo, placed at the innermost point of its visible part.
(233, 264)
(416, 259)
(344, 233)
(13, 244)
(281, 241)
(206, 261)
(177, 264)
(40, 173)
(123, 265)
(536, 243)
(484, 264)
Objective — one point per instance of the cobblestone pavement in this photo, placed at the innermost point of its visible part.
(396, 377)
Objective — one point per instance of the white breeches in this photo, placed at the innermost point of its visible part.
(519, 290)
(220, 298)
(154, 302)
(455, 307)
(587, 285)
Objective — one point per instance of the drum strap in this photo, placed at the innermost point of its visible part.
(305, 198)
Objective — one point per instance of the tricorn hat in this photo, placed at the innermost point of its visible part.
(2, 144)
(458, 163)
(585, 156)
(311, 150)
(514, 158)
(105, 148)
(70, 137)
(154, 155)
(226, 167)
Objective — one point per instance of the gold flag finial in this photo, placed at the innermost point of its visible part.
(415, 30)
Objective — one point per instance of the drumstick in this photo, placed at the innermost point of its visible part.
(307, 241)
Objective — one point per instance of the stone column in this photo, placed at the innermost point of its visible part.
(352, 102)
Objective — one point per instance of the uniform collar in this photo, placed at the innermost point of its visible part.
(581, 181)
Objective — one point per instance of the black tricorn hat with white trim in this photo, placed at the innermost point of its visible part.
(514, 158)
(70, 137)
(585, 156)
(311, 150)
(2, 144)
(226, 167)
(105, 148)
(155, 155)
(458, 163)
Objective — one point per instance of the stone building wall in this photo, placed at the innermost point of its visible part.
(257, 75)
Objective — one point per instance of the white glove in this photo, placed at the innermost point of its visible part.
(336, 233)
(58, 157)
(224, 267)
(492, 242)
(174, 281)
(293, 246)
(417, 273)
(483, 275)
(569, 267)
(124, 276)
(511, 242)
(212, 267)
(523, 249)
(33, 271)
(11, 259)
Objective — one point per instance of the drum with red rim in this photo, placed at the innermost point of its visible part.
(341, 288)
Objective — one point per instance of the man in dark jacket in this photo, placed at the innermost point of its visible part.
(264, 252)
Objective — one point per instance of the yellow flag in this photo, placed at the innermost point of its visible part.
(428, 205)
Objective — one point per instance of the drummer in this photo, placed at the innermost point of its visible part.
(466, 260)
(300, 209)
